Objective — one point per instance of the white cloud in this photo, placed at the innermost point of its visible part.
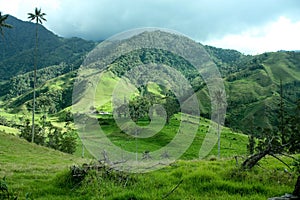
(20, 8)
(283, 34)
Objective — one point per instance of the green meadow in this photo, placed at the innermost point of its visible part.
(36, 172)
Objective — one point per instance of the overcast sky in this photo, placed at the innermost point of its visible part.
(250, 26)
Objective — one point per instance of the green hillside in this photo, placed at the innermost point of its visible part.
(254, 93)
(30, 168)
(52, 95)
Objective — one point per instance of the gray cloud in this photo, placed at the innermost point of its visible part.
(201, 20)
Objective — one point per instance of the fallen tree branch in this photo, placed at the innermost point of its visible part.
(250, 162)
(172, 190)
(280, 160)
(289, 156)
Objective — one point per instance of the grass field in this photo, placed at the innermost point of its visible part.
(232, 143)
(30, 168)
(42, 173)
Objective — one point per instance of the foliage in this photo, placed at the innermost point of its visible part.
(139, 108)
(4, 188)
(228, 61)
(46, 134)
(81, 175)
(65, 116)
(22, 83)
(39, 133)
(251, 144)
(147, 56)
(283, 141)
(171, 105)
(68, 140)
(296, 165)
(5, 192)
(5, 122)
(52, 96)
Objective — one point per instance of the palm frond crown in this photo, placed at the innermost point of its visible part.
(3, 24)
(38, 16)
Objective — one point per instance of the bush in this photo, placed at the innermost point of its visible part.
(51, 136)
(3, 188)
(65, 141)
(68, 140)
(39, 134)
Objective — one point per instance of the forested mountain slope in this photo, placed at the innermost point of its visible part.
(17, 48)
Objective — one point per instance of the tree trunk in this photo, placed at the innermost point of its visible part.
(250, 162)
(34, 82)
(219, 136)
(297, 188)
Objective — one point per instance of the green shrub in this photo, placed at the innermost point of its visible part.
(51, 136)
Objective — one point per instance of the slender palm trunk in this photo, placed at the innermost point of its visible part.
(82, 139)
(5, 47)
(136, 146)
(219, 136)
(34, 81)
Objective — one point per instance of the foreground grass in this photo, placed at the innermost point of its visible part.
(30, 168)
(44, 174)
(193, 180)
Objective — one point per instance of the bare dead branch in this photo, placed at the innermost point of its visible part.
(173, 189)
(280, 160)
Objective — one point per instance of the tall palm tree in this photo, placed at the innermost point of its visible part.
(38, 17)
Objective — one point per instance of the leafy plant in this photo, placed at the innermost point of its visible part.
(4, 187)
(251, 144)
(27, 134)
(64, 140)
(296, 165)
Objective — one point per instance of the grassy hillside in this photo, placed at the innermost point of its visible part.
(42, 173)
(232, 143)
(254, 93)
(30, 168)
(52, 95)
